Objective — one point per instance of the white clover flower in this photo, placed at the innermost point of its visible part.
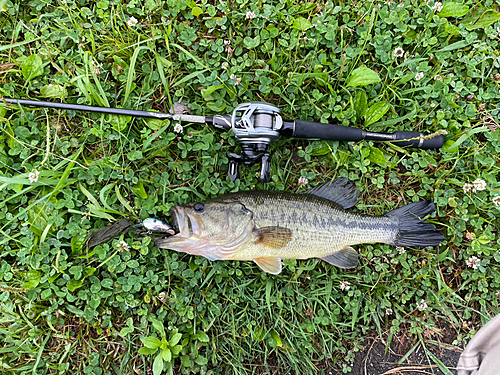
(438, 77)
(400, 249)
(473, 262)
(227, 46)
(388, 311)
(496, 200)
(422, 305)
(467, 187)
(303, 181)
(419, 76)
(250, 15)
(132, 22)
(401, 5)
(33, 176)
(162, 295)
(399, 52)
(345, 285)
(236, 79)
(178, 128)
(479, 185)
(437, 7)
(97, 67)
(123, 246)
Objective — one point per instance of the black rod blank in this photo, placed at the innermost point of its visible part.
(89, 108)
(110, 111)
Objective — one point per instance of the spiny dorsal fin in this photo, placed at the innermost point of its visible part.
(341, 191)
(273, 237)
(345, 258)
(269, 264)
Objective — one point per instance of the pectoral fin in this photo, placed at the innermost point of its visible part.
(269, 264)
(345, 258)
(273, 237)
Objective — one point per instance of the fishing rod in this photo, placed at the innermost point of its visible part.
(256, 125)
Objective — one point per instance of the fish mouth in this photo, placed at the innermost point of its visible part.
(185, 224)
(174, 221)
(188, 238)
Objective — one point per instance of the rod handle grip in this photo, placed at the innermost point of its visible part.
(317, 130)
(413, 139)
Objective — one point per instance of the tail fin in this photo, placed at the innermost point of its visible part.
(412, 230)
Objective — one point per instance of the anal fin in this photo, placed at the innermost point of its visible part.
(269, 264)
(344, 258)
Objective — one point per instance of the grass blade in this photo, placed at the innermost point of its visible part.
(467, 135)
(131, 71)
(15, 45)
(122, 200)
(437, 361)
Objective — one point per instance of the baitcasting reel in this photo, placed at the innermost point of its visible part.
(255, 126)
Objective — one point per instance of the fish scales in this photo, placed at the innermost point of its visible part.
(318, 226)
(267, 227)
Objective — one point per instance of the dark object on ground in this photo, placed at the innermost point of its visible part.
(105, 234)
(373, 359)
(482, 354)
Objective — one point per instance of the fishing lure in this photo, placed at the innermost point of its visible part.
(155, 225)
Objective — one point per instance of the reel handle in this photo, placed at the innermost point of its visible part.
(265, 169)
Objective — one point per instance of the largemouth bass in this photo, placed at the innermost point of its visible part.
(267, 226)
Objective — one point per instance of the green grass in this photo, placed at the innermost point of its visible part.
(67, 309)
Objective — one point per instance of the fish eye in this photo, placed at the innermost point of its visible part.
(199, 207)
(154, 221)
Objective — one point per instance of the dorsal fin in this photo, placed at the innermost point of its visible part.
(273, 237)
(341, 191)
